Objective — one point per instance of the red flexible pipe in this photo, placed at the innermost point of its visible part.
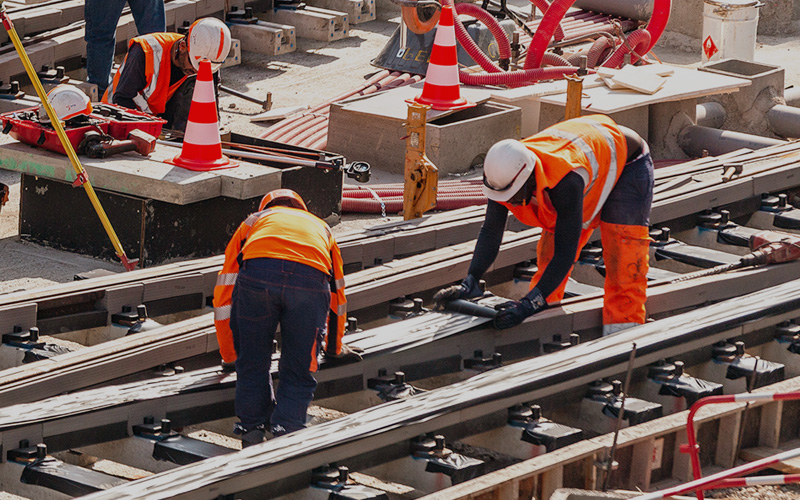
(517, 78)
(658, 21)
(543, 6)
(394, 205)
(469, 44)
(544, 33)
(639, 40)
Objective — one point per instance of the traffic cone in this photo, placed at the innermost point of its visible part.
(202, 148)
(441, 90)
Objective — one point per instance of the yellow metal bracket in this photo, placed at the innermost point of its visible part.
(421, 179)
(81, 177)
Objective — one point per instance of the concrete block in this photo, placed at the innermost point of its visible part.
(265, 38)
(312, 22)
(358, 11)
(377, 139)
(745, 110)
(179, 11)
(636, 118)
(235, 55)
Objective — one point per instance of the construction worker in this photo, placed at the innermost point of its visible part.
(157, 76)
(568, 179)
(282, 267)
(101, 18)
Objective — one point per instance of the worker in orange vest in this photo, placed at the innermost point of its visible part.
(282, 267)
(568, 179)
(157, 76)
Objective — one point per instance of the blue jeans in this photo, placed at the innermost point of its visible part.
(268, 293)
(630, 200)
(102, 17)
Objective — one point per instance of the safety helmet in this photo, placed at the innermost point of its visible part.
(68, 101)
(208, 38)
(282, 195)
(508, 165)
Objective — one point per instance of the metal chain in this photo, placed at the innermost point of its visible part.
(375, 195)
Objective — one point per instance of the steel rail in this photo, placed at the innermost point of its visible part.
(377, 427)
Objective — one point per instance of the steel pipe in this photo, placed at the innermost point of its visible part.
(792, 96)
(784, 121)
(710, 114)
(699, 141)
(640, 10)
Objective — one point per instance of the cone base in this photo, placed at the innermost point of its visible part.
(442, 104)
(202, 165)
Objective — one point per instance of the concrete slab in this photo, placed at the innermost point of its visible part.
(146, 177)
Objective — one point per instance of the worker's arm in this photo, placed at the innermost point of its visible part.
(567, 199)
(132, 79)
(223, 292)
(486, 249)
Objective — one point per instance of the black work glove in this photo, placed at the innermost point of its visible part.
(228, 367)
(467, 289)
(349, 354)
(514, 312)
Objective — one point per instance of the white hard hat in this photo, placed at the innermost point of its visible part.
(69, 101)
(208, 38)
(508, 165)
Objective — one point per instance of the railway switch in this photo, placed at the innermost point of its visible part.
(547, 434)
(143, 323)
(404, 307)
(21, 347)
(558, 344)
(785, 348)
(481, 364)
(333, 483)
(605, 399)
(72, 480)
(393, 388)
(737, 370)
(668, 385)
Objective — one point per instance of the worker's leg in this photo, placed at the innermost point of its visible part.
(544, 253)
(624, 225)
(306, 302)
(101, 29)
(255, 314)
(176, 112)
(149, 16)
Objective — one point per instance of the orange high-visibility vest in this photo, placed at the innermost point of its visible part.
(593, 143)
(158, 70)
(288, 234)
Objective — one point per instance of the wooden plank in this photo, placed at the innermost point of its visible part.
(769, 430)
(172, 286)
(685, 84)
(727, 440)
(791, 466)
(115, 298)
(641, 464)
(644, 82)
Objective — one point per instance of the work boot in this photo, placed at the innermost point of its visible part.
(249, 437)
(277, 430)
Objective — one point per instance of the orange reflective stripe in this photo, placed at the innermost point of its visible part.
(544, 254)
(313, 366)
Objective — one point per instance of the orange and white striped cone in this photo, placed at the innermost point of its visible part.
(202, 147)
(441, 90)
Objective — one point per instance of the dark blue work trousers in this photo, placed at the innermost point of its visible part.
(101, 18)
(268, 293)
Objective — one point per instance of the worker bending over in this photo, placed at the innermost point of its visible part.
(157, 76)
(568, 179)
(282, 267)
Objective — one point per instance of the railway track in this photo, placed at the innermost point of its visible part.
(468, 391)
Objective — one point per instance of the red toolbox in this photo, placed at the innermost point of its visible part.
(122, 120)
(24, 126)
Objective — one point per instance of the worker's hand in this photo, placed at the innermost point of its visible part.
(467, 289)
(228, 367)
(349, 354)
(514, 312)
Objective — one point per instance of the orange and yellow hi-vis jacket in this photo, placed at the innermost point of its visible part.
(284, 233)
(157, 49)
